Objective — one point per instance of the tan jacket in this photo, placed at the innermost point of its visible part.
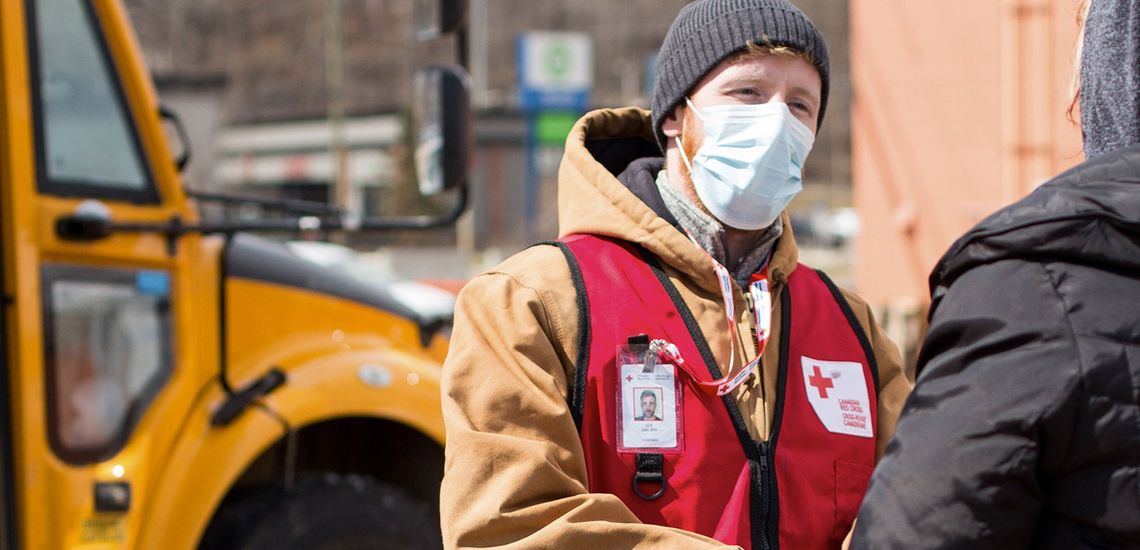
(515, 476)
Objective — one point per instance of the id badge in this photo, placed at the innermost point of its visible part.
(649, 401)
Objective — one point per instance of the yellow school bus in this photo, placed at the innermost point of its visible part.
(167, 383)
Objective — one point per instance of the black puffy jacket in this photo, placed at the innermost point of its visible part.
(1024, 428)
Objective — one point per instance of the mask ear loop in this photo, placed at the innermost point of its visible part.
(677, 139)
(684, 157)
(696, 111)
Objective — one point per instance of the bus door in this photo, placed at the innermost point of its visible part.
(95, 309)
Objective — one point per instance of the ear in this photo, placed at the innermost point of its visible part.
(672, 126)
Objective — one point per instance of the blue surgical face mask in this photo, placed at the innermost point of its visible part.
(751, 162)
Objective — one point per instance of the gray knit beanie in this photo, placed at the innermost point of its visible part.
(708, 31)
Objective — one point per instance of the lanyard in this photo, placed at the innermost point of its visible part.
(762, 307)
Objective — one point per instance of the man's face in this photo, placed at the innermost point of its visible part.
(648, 405)
(751, 80)
(757, 79)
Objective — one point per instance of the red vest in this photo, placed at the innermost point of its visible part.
(800, 489)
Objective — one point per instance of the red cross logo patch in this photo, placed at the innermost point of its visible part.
(820, 382)
(837, 391)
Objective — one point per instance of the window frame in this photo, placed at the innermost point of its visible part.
(53, 273)
(47, 185)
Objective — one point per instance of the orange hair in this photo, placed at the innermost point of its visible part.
(1075, 87)
(753, 50)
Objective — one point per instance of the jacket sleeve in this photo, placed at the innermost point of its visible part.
(894, 386)
(515, 476)
(998, 366)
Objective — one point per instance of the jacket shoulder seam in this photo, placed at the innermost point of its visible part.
(553, 321)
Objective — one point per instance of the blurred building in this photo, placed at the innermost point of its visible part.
(269, 84)
(960, 109)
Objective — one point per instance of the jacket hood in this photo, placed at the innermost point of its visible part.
(592, 199)
(1110, 77)
(1089, 214)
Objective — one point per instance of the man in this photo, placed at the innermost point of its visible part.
(1024, 428)
(677, 273)
(648, 407)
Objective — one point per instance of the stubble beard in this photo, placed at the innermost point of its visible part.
(691, 139)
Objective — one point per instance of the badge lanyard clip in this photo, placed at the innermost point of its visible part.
(639, 351)
(761, 308)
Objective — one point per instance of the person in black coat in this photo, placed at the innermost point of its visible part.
(1024, 428)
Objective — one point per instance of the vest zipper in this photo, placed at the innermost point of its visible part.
(765, 492)
(765, 489)
(767, 480)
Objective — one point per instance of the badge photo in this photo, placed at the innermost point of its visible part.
(646, 404)
(649, 408)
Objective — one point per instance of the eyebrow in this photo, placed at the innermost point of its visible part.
(806, 93)
(796, 91)
(747, 78)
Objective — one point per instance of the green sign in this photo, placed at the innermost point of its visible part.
(557, 60)
(552, 127)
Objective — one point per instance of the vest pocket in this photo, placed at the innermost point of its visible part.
(850, 484)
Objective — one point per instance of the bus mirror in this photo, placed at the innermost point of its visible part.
(174, 122)
(437, 17)
(441, 115)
